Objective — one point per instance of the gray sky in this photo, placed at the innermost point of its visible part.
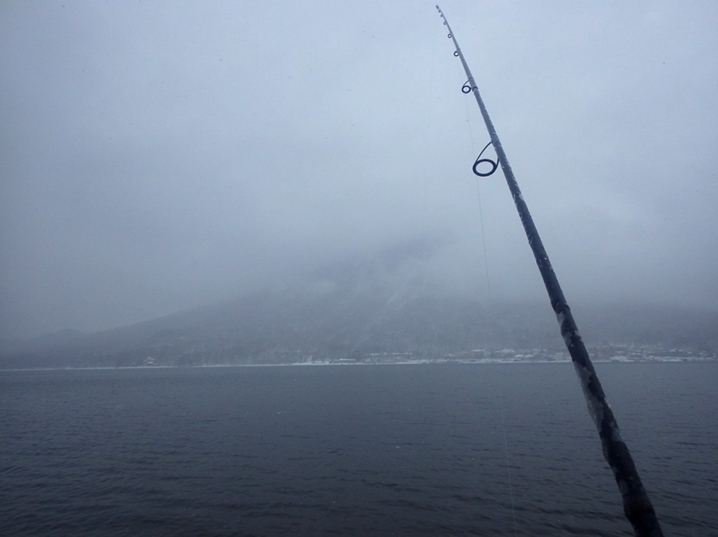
(156, 156)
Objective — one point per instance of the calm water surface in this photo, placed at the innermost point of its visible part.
(376, 450)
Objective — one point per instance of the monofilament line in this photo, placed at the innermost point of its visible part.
(508, 462)
(481, 210)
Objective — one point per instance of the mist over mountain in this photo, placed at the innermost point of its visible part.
(157, 158)
(364, 310)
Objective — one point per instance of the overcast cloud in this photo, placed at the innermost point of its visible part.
(156, 156)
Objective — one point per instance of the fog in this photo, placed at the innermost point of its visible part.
(157, 156)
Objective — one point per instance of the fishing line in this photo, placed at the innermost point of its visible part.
(507, 458)
(478, 193)
(478, 174)
(479, 160)
(508, 462)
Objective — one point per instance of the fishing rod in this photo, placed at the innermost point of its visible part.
(636, 504)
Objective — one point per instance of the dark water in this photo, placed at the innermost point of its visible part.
(382, 450)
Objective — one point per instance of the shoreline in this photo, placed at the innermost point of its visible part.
(622, 360)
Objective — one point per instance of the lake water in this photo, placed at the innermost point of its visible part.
(494, 449)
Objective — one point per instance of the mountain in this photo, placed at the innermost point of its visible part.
(375, 309)
(325, 323)
(38, 344)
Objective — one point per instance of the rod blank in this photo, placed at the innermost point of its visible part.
(636, 504)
